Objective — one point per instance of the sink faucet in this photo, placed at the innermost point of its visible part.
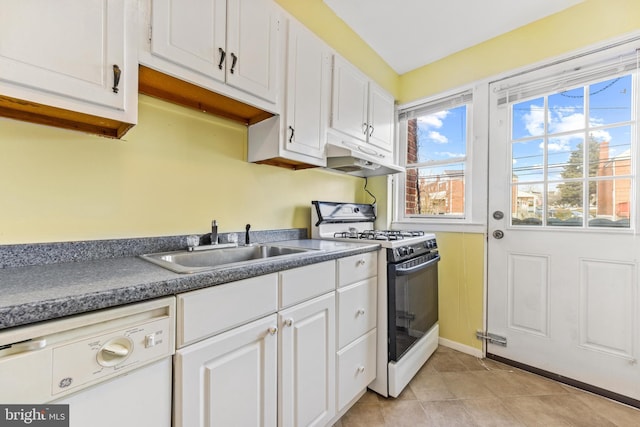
(214, 232)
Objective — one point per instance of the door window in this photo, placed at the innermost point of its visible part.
(571, 156)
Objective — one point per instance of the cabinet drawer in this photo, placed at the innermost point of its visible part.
(356, 268)
(356, 310)
(356, 368)
(206, 312)
(303, 283)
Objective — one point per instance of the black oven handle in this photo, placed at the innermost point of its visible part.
(407, 271)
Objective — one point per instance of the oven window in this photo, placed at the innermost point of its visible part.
(413, 307)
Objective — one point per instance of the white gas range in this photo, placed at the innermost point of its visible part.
(407, 324)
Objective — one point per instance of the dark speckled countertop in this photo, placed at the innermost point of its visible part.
(49, 289)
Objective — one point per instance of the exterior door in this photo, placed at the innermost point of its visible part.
(562, 243)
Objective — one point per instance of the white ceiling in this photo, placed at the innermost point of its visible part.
(408, 34)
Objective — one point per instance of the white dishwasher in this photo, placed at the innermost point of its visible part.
(112, 367)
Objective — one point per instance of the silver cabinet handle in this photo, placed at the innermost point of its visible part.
(273, 330)
(360, 369)
(360, 312)
(361, 262)
(288, 322)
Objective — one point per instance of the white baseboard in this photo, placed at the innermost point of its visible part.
(461, 347)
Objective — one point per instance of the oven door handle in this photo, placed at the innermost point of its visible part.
(407, 271)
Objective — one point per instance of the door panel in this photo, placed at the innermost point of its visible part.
(563, 259)
(528, 293)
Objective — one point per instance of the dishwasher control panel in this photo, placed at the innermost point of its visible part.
(96, 357)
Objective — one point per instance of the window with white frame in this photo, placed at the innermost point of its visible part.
(435, 141)
(571, 140)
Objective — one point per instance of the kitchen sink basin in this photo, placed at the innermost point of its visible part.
(193, 261)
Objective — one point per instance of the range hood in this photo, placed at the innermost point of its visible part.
(357, 160)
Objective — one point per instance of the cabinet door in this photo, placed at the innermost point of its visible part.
(349, 103)
(381, 117)
(229, 379)
(191, 33)
(253, 47)
(66, 48)
(307, 363)
(308, 92)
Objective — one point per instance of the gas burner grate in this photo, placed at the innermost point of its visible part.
(378, 234)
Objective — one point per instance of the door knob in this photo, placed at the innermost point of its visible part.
(498, 215)
(498, 234)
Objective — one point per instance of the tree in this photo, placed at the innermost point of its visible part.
(571, 192)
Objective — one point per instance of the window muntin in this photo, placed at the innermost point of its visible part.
(436, 157)
(563, 160)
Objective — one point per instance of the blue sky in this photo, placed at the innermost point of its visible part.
(442, 135)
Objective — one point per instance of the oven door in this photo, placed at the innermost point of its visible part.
(413, 301)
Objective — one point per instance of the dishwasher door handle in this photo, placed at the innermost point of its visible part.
(27, 345)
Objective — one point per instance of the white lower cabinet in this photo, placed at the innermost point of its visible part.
(229, 379)
(295, 365)
(307, 363)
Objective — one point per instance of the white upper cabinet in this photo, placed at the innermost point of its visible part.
(308, 91)
(71, 54)
(297, 138)
(361, 109)
(220, 45)
(381, 117)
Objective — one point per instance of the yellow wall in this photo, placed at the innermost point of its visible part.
(577, 27)
(171, 174)
(461, 284)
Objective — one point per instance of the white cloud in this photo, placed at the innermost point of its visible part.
(558, 144)
(534, 120)
(600, 135)
(437, 137)
(433, 120)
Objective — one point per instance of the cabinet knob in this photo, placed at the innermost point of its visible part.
(361, 262)
(288, 322)
(360, 312)
(365, 127)
(370, 131)
(360, 369)
(273, 330)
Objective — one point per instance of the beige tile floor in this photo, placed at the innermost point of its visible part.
(455, 389)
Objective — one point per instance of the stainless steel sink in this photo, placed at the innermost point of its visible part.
(192, 262)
